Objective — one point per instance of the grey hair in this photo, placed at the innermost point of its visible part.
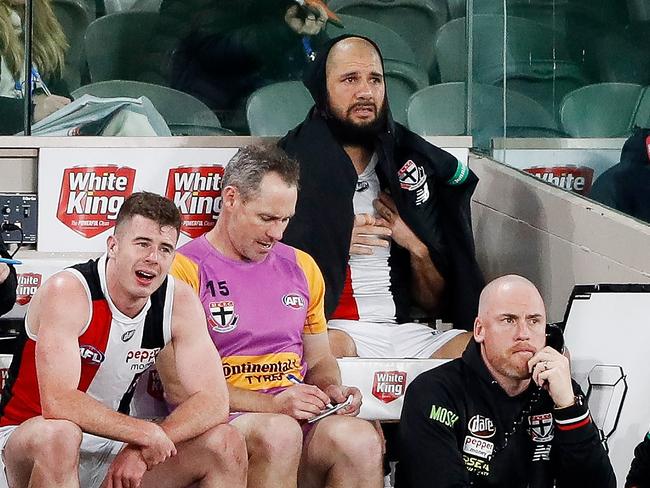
(252, 163)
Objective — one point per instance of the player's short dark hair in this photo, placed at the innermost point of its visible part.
(248, 167)
(150, 206)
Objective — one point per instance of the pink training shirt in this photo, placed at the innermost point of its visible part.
(257, 312)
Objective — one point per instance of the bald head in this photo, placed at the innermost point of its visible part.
(505, 287)
(351, 49)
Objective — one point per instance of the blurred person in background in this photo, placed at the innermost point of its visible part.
(48, 52)
(626, 185)
(222, 51)
(48, 55)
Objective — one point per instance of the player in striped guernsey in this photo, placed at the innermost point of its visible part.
(91, 330)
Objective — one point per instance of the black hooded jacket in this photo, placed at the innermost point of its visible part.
(626, 185)
(436, 207)
(639, 475)
(459, 428)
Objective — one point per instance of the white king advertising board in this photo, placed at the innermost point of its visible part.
(81, 190)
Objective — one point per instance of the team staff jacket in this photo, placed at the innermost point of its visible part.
(459, 428)
(639, 475)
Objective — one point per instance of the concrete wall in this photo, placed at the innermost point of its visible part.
(555, 238)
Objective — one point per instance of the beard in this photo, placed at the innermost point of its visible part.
(347, 132)
(511, 367)
(514, 371)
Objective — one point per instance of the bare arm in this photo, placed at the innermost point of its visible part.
(427, 283)
(198, 371)
(322, 368)
(323, 372)
(58, 313)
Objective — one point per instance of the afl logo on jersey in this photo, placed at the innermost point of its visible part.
(91, 355)
(293, 300)
(126, 337)
(223, 316)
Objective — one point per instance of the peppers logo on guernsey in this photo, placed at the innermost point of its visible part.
(196, 191)
(91, 196)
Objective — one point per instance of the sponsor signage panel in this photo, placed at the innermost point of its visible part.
(570, 169)
(383, 383)
(82, 190)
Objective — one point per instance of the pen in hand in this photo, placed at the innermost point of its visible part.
(296, 381)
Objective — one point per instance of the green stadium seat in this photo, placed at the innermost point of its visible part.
(538, 63)
(441, 110)
(275, 109)
(416, 21)
(601, 110)
(402, 80)
(116, 45)
(146, 5)
(391, 44)
(642, 116)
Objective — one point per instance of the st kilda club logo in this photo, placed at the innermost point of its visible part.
(196, 191)
(91, 196)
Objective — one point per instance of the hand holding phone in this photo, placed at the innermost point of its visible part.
(331, 410)
(550, 370)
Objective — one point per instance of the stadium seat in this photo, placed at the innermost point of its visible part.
(622, 55)
(642, 116)
(184, 114)
(74, 17)
(457, 8)
(538, 63)
(146, 5)
(390, 42)
(115, 6)
(639, 10)
(276, 108)
(441, 110)
(116, 44)
(601, 110)
(416, 21)
(402, 80)
(93, 7)
(550, 13)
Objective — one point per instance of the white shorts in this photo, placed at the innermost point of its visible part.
(95, 457)
(410, 340)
